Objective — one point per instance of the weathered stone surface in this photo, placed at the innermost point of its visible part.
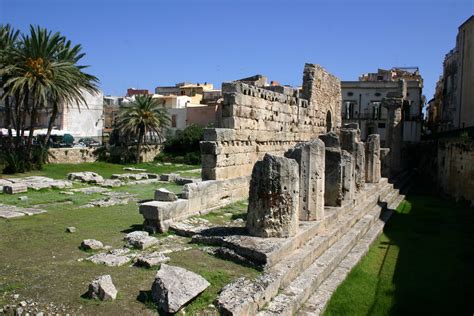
(11, 211)
(91, 244)
(151, 259)
(4, 182)
(333, 191)
(109, 259)
(140, 240)
(274, 198)
(372, 159)
(174, 287)
(385, 162)
(170, 177)
(134, 169)
(86, 176)
(330, 139)
(348, 175)
(165, 195)
(393, 135)
(91, 190)
(15, 188)
(102, 288)
(159, 215)
(350, 141)
(310, 157)
(183, 181)
(130, 176)
(111, 183)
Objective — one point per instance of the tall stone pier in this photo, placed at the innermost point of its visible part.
(274, 198)
(372, 159)
(394, 132)
(350, 141)
(311, 160)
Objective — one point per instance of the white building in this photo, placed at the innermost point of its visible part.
(362, 103)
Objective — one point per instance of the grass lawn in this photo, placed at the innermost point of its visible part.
(105, 169)
(423, 264)
(39, 260)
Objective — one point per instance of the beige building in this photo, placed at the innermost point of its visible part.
(455, 100)
(362, 102)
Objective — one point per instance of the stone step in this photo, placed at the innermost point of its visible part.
(316, 303)
(247, 297)
(291, 298)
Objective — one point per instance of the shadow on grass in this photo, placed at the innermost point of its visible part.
(434, 271)
(132, 228)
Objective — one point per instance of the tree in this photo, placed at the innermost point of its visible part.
(39, 71)
(141, 117)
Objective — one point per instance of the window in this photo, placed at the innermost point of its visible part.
(183, 92)
(376, 110)
(350, 94)
(377, 94)
(173, 120)
(380, 78)
(381, 125)
(348, 110)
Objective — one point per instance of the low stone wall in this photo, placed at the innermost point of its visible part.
(71, 155)
(197, 198)
(456, 168)
(79, 155)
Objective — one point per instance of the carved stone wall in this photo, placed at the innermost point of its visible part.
(256, 121)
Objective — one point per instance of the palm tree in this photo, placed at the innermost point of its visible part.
(8, 39)
(142, 116)
(44, 74)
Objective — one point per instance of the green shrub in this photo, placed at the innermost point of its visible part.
(183, 147)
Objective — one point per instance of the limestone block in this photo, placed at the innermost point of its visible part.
(274, 198)
(169, 177)
(372, 159)
(175, 286)
(165, 195)
(102, 288)
(15, 188)
(158, 215)
(333, 177)
(349, 139)
(311, 161)
(218, 134)
(348, 175)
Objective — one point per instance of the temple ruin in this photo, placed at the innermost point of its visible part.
(317, 198)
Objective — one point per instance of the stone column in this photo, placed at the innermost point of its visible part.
(348, 180)
(274, 198)
(310, 157)
(394, 132)
(350, 141)
(385, 162)
(372, 159)
(333, 188)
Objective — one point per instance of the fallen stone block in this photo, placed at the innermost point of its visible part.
(174, 287)
(71, 229)
(86, 176)
(111, 183)
(159, 215)
(140, 240)
(183, 181)
(10, 214)
(108, 259)
(151, 259)
(15, 188)
(102, 288)
(170, 177)
(91, 244)
(165, 195)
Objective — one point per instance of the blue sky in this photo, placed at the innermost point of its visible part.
(143, 44)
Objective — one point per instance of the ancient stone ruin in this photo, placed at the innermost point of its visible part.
(317, 198)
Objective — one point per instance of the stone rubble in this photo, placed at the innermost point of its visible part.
(175, 286)
(86, 176)
(11, 211)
